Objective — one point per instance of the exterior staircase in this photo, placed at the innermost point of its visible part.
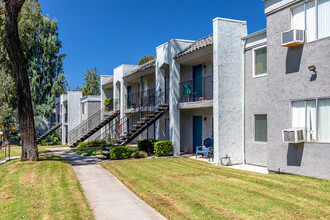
(124, 131)
(48, 132)
(142, 125)
(94, 123)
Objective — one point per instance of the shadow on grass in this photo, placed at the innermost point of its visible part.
(52, 158)
(92, 151)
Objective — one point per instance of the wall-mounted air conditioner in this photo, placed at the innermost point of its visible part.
(293, 135)
(293, 38)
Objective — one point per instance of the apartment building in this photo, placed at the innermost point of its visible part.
(184, 71)
(69, 113)
(298, 85)
(248, 93)
(74, 112)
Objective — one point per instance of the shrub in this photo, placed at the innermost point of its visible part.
(55, 138)
(146, 145)
(133, 149)
(139, 154)
(96, 143)
(82, 145)
(163, 148)
(120, 152)
(107, 104)
(46, 142)
(84, 154)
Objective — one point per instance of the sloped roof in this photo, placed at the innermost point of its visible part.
(144, 66)
(204, 42)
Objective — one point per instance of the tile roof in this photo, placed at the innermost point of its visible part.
(143, 66)
(204, 42)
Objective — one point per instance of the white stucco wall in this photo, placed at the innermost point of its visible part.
(227, 88)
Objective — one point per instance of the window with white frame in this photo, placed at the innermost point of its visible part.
(260, 61)
(313, 17)
(314, 117)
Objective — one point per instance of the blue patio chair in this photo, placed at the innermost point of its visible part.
(187, 91)
(206, 148)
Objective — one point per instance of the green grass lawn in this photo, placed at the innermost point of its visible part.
(47, 189)
(182, 188)
(88, 151)
(17, 151)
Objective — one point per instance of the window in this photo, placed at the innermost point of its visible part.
(260, 61)
(313, 17)
(260, 128)
(324, 120)
(314, 117)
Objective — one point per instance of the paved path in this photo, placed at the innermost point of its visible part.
(106, 195)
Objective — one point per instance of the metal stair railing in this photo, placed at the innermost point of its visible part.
(92, 122)
(39, 138)
(125, 126)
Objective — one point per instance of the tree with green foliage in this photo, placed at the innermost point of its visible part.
(31, 56)
(7, 105)
(18, 63)
(146, 59)
(91, 84)
(41, 46)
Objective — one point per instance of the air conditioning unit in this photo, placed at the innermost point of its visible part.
(293, 135)
(293, 38)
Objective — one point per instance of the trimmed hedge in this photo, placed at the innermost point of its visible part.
(163, 148)
(146, 145)
(121, 152)
(139, 154)
(82, 145)
(96, 143)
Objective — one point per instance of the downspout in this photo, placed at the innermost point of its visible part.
(243, 101)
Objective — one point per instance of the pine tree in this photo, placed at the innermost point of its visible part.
(91, 84)
(146, 59)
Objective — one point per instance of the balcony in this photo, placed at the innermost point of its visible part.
(198, 92)
(133, 99)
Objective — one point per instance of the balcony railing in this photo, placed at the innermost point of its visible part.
(92, 122)
(133, 99)
(197, 89)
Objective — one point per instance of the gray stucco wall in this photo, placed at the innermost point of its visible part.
(288, 79)
(255, 103)
(73, 109)
(165, 54)
(186, 130)
(92, 108)
(227, 88)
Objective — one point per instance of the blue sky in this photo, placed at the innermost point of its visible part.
(108, 33)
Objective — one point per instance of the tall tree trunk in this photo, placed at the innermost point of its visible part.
(24, 101)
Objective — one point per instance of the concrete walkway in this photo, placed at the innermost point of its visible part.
(106, 195)
(246, 167)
